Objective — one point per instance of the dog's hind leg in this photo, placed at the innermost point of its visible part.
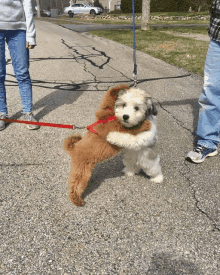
(77, 183)
(130, 162)
(153, 169)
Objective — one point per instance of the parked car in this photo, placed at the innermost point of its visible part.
(81, 8)
(43, 13)
(48, 13)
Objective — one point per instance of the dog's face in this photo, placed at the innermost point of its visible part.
(133, 106)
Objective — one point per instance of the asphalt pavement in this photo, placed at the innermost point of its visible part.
(128, 225)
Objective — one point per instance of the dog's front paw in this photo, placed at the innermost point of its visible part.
(112, 137)
(157, 179)
(129, 174)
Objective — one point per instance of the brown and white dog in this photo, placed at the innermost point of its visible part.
(132, 107)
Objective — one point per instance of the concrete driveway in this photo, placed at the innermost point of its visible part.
(128, 225)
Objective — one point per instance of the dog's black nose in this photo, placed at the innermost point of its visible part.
(125, 117)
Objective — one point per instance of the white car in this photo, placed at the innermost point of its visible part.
(43, 13)
(81, 8)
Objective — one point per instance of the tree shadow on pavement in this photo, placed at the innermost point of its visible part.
(67, 93)
(165, 264)
(64, 94)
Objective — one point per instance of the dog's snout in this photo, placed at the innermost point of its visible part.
(125, 117)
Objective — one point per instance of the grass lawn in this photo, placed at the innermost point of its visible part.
(179, 51)
(199, 30)
(173, 13)
(138, 22)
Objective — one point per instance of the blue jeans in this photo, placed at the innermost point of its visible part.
(16, 40)
(208, 128)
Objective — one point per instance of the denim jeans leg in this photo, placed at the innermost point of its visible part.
(3, 103)
(208, 128)
(16, 40)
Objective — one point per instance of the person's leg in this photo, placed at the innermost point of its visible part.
(208, 128)
(3, 103)
(16, 40)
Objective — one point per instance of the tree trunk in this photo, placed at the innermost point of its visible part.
(38, 8)
(145, 15)
(200, 7)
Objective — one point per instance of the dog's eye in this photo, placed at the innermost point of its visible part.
(136, 108)
(124, 105)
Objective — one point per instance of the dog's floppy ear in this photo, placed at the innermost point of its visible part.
(151, 109)
(116, 90)
(111, 95)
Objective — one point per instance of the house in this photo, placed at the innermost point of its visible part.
(111, 5)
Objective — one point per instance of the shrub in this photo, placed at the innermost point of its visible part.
(184, 5)
(163, 5)
(97, 4)
(176, 5)
(116, 12)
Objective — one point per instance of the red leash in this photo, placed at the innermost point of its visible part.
(39, 123)
(90, 127)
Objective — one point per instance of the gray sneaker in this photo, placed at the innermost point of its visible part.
(30, 117)
(200, 153)
(2, 122)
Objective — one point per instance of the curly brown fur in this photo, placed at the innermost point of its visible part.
(70, 142)
(86, 152)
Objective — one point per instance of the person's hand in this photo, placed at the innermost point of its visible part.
(29, 46)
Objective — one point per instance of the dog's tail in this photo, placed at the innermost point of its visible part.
(70, 142)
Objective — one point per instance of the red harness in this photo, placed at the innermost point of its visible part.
(90, 127)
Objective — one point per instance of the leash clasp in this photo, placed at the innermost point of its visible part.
(135, 75)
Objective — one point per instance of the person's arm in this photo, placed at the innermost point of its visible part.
(31, 31)
(132, 142)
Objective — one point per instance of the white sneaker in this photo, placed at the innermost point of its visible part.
(200, 153)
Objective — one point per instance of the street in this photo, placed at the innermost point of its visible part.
(128, 225)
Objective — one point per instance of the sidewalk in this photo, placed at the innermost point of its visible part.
(128, 225)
